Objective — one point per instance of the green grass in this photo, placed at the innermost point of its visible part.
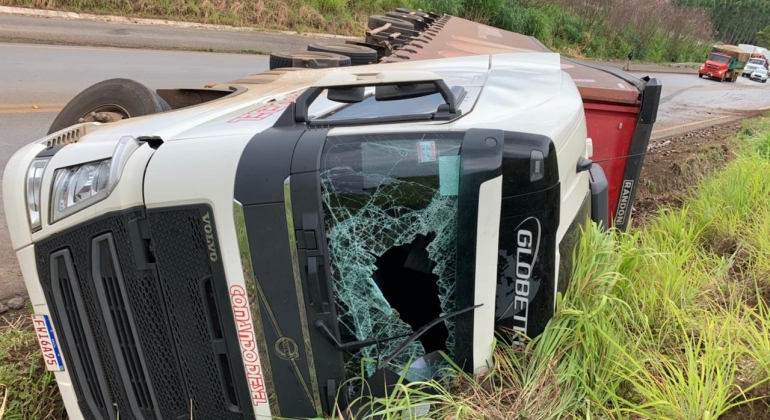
(668, 322)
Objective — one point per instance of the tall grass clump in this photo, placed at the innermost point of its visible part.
(668, 322)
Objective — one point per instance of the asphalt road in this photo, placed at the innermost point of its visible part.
(47, 77)
(40, 30)
(37, 80)
(688, 101)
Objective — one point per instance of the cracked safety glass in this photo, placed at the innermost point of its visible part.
(390, 204)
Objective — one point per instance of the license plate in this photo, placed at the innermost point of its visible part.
(49, 346)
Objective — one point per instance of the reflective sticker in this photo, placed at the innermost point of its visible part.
(48, 343)
(426, 151)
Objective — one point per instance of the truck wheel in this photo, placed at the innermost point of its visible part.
(700, 76)
(109, 101)
(310, 59)
(358, 54)
(376, 21)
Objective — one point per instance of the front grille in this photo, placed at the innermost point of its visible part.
(78, 332)
(184, 264)
(110, 289)
(148, 333)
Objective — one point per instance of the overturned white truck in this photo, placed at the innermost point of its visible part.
(242, 251)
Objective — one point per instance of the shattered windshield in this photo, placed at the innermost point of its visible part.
(390, 205)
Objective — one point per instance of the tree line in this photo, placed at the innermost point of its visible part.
(735, 21)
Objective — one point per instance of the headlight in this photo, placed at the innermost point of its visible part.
(34, 185)
(80, 186)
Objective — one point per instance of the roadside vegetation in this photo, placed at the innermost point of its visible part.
(660, 31)
(669, 321)
(27, 390)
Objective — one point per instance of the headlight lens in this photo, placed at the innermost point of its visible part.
(34, 185)
(80, 186)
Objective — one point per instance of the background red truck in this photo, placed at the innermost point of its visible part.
(725, 62)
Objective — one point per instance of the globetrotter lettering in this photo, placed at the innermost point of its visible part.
(625, 197)
(527, 247)
(248, 342)
(209, 231)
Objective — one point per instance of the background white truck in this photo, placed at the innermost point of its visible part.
(760, 57)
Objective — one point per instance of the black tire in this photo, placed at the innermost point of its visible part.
(418, 22)
(358, 54)
(310, 59)
(377, 21)
(700, 76)
(134, 98)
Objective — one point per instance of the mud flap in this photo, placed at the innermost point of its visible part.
(637, 152)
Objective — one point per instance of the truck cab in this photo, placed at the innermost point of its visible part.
(755, 63)
(717, 66)
(246, 257)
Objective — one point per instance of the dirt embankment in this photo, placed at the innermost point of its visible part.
(675, 165)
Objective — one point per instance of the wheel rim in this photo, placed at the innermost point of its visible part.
(105, 114)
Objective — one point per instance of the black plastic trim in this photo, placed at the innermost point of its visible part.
(128, 350)
(227, 350)
(637, 152)
(266, 162)
(481, 160)
(529, 222)
(85, 364)
(600, 210)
